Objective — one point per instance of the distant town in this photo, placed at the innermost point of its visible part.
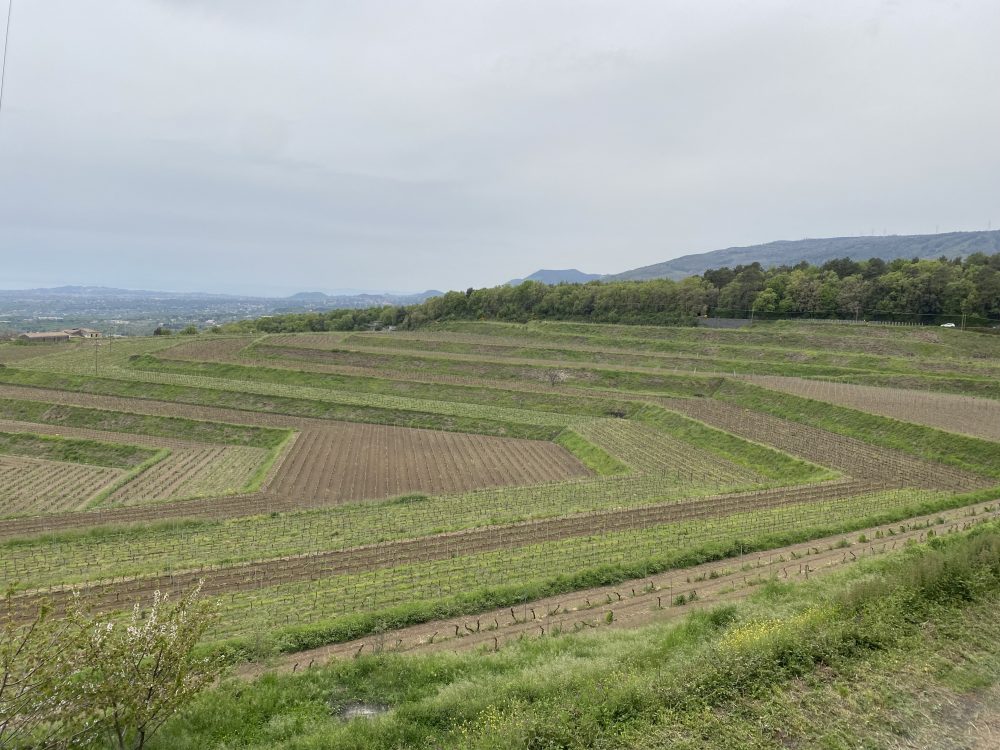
(62, 313)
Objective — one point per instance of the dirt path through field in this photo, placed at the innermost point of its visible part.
(641, 601)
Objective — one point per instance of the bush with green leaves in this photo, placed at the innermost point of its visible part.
(83, 679)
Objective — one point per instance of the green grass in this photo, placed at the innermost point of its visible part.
(969, 453)
(487, 701)
(771, 348)
(72, 450)
(259, 476)
(650, 355)
(93, 553)
(592, 456)
(705, 682)
(763, 459)
(143, 424)
(340, 608)
(770, 336)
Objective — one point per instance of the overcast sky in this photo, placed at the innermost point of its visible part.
(272, 147)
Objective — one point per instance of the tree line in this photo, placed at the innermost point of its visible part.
(921, 290)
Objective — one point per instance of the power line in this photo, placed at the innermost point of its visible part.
(6, 44)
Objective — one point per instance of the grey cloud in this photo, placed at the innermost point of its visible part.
(252, 146)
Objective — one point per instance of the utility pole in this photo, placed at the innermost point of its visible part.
(6, 44)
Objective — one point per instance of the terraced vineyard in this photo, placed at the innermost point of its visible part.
(31, 485)
(360, 461)
(329, 485)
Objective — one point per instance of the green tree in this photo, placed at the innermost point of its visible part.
(852, 296)
(766, 301)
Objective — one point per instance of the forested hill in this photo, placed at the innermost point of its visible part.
(927, 291)
(817, 251)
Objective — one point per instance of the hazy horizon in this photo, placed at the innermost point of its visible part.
(180, 145)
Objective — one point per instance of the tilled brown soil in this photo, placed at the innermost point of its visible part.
(329, 462)
(354, 461)
(967, 415)
(638, 602)
(220, 579)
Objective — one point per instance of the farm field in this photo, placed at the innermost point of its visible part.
(31, 485)
(362, 461)
(326, 486)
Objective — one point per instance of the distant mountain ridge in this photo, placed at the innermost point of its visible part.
(818, 251)
(558, 276)
(301, 298)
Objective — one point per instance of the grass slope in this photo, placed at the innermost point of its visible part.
(973, 454)
(797, 666)
(143, 424)
(763, 459)
(271, 404)
(94, 452)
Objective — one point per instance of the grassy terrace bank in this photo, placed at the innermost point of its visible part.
(93, 452)
(409, 594)
(290, 617)
(679, 383)
(234, 398)
(801, 336)
(765, 460)
(852, 661)
(144, 424)
(551, 402)
(972, 454)
(665, 354)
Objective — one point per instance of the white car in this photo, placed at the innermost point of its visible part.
(947, 325)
